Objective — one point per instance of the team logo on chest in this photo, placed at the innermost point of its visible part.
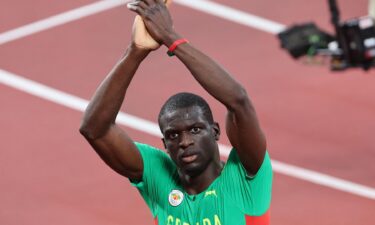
(175, 197)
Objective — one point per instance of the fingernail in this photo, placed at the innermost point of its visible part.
(130, 6)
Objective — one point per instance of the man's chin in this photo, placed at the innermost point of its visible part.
(192, 169)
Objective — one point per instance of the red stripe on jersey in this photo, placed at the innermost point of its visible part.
(258, 220)
(156, 220)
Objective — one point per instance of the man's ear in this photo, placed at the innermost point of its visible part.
(165, 146)
(216, 129)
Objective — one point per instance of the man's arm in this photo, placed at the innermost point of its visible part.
(112, 144)
(242, 127)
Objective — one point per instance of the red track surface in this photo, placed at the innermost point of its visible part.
(313, 118)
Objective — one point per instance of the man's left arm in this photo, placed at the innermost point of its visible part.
(242, 127)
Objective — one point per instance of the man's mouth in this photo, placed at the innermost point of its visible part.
(189, 159)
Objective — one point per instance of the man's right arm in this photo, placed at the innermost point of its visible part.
(111, 143)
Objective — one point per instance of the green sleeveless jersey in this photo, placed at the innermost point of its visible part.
(233, 198)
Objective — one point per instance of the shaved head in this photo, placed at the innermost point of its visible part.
(185, 100)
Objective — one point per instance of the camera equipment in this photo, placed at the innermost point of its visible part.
(353, 44)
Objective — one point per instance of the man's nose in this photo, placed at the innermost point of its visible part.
(186, 140)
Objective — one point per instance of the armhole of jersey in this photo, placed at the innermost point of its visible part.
(251, 177)
(259, 198)
(140, 184)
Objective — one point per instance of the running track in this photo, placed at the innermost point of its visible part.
(313, 118)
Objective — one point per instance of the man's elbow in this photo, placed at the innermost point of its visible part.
(88, 131)
(84, 131)
(241, 100)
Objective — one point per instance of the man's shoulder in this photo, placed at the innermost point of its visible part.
(149, 149)
(141, 145)
(234, 163)
(153, 155)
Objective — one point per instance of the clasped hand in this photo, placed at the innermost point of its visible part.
(153, 26)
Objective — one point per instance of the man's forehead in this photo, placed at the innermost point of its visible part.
(182, 113)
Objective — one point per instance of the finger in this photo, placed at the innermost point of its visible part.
(168, 2)
(135, 7)
(148, 2)
(160, 1)
(142, 4)
(138, 3)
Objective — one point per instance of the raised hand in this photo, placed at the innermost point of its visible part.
(141, 38)
(153, 25)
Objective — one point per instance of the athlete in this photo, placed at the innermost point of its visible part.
(188, 185)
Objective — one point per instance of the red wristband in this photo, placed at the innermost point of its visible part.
(175, 44)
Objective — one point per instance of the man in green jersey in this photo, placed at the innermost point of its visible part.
(189, 185)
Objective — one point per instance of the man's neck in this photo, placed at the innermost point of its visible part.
(196, 184)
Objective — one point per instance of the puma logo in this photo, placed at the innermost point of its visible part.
(212, 192)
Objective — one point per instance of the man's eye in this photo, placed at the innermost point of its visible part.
(195, 130)
(172, 136)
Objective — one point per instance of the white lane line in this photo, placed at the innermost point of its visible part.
(71, 101)
(233, 15)
(74, 102)
(59, 19)
(323, 179)
(209, 7)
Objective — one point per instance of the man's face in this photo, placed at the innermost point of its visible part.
(190, 139)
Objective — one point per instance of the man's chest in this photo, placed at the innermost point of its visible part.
(212, 207)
